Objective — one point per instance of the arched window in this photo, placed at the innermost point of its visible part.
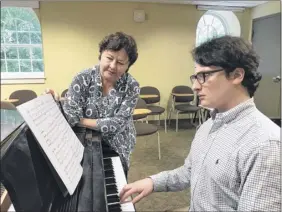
(215, 24)
(21, 44)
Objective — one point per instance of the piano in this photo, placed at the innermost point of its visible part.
(33, 184)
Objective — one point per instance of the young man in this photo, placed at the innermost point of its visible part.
(234, 161)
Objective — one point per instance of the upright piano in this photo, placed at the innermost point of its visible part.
(33, 184)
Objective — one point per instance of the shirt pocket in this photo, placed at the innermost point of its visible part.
(222, 170)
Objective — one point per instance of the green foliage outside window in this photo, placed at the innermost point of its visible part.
(21, 41)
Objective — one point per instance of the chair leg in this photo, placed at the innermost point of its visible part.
(176, 122)
(169, 116)
(159, 145)
(159, 119)
(165, 123)
(200, 117)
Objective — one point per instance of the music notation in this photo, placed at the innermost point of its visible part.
(56, 138)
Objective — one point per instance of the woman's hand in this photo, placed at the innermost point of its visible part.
(54, 94)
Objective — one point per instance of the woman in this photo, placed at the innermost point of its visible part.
(104, 97)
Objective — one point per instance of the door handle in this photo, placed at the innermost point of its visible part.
(276, 79)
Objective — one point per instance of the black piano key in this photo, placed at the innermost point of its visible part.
(110, 154)
(113, 199)
(115, 210)
(111, 189)
(110, 181)
(108, 167)
(114, 207)
(109, 173)
(107, 161)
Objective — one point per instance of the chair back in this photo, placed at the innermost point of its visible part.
(141, 104)
(183, 89)
(149, 90)
(7, 106)
(23, 96)
(64, 93)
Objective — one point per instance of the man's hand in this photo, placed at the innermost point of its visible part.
(142, 187)
(54, 94)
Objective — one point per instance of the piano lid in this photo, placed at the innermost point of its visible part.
(10, 121)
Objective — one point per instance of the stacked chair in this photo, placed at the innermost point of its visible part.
(7, 106)
(23, 96)
(63, 94)
(151, 101)
(182, 97)
(144, 129)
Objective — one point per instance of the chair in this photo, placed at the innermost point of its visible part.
(141, 104)
(7, 106)
(184, 95)
(156, 109)
(143, 129)
(63, 94)
(23, 96)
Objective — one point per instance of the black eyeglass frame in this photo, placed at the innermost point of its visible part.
(204, 74)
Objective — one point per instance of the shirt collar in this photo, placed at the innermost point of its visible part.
(238, 112)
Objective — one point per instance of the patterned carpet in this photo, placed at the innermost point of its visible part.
(144, 162)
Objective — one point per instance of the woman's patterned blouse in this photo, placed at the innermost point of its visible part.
(113, 112)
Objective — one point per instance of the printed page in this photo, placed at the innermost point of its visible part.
(56, 138)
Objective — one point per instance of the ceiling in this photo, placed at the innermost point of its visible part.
(244, 4)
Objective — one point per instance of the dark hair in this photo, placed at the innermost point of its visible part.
(229, 53)
(118, 41)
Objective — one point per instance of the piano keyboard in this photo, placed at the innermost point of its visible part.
(115, 180)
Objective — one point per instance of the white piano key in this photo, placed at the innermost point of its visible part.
(121, 182)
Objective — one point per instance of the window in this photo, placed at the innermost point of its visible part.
(215, 24)
(21, 46)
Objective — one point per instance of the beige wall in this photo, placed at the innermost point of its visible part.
(268, 8)
(71, 32)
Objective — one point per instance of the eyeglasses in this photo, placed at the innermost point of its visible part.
(201, 76)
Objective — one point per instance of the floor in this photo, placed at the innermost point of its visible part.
(144, 162)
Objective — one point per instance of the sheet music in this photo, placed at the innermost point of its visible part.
(56, 138)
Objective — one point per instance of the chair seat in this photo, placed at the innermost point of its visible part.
(145, 129)
(7, 106)
(156, 110)
(139, 116)
(187, 108)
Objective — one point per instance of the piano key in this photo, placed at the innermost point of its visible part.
(107, 161)
(109, 173)
(108, 167)
(121, 182)
(113, 199)
(111, 189)
(110, 181)
(114, 207)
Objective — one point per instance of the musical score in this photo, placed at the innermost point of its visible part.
(56, 138)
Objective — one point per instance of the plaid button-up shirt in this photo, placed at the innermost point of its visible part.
(233, 164)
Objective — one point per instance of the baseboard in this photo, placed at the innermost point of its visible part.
(185, 122)
(182, 123)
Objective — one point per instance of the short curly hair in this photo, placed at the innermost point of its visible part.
(118, 41)
(229, 53)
